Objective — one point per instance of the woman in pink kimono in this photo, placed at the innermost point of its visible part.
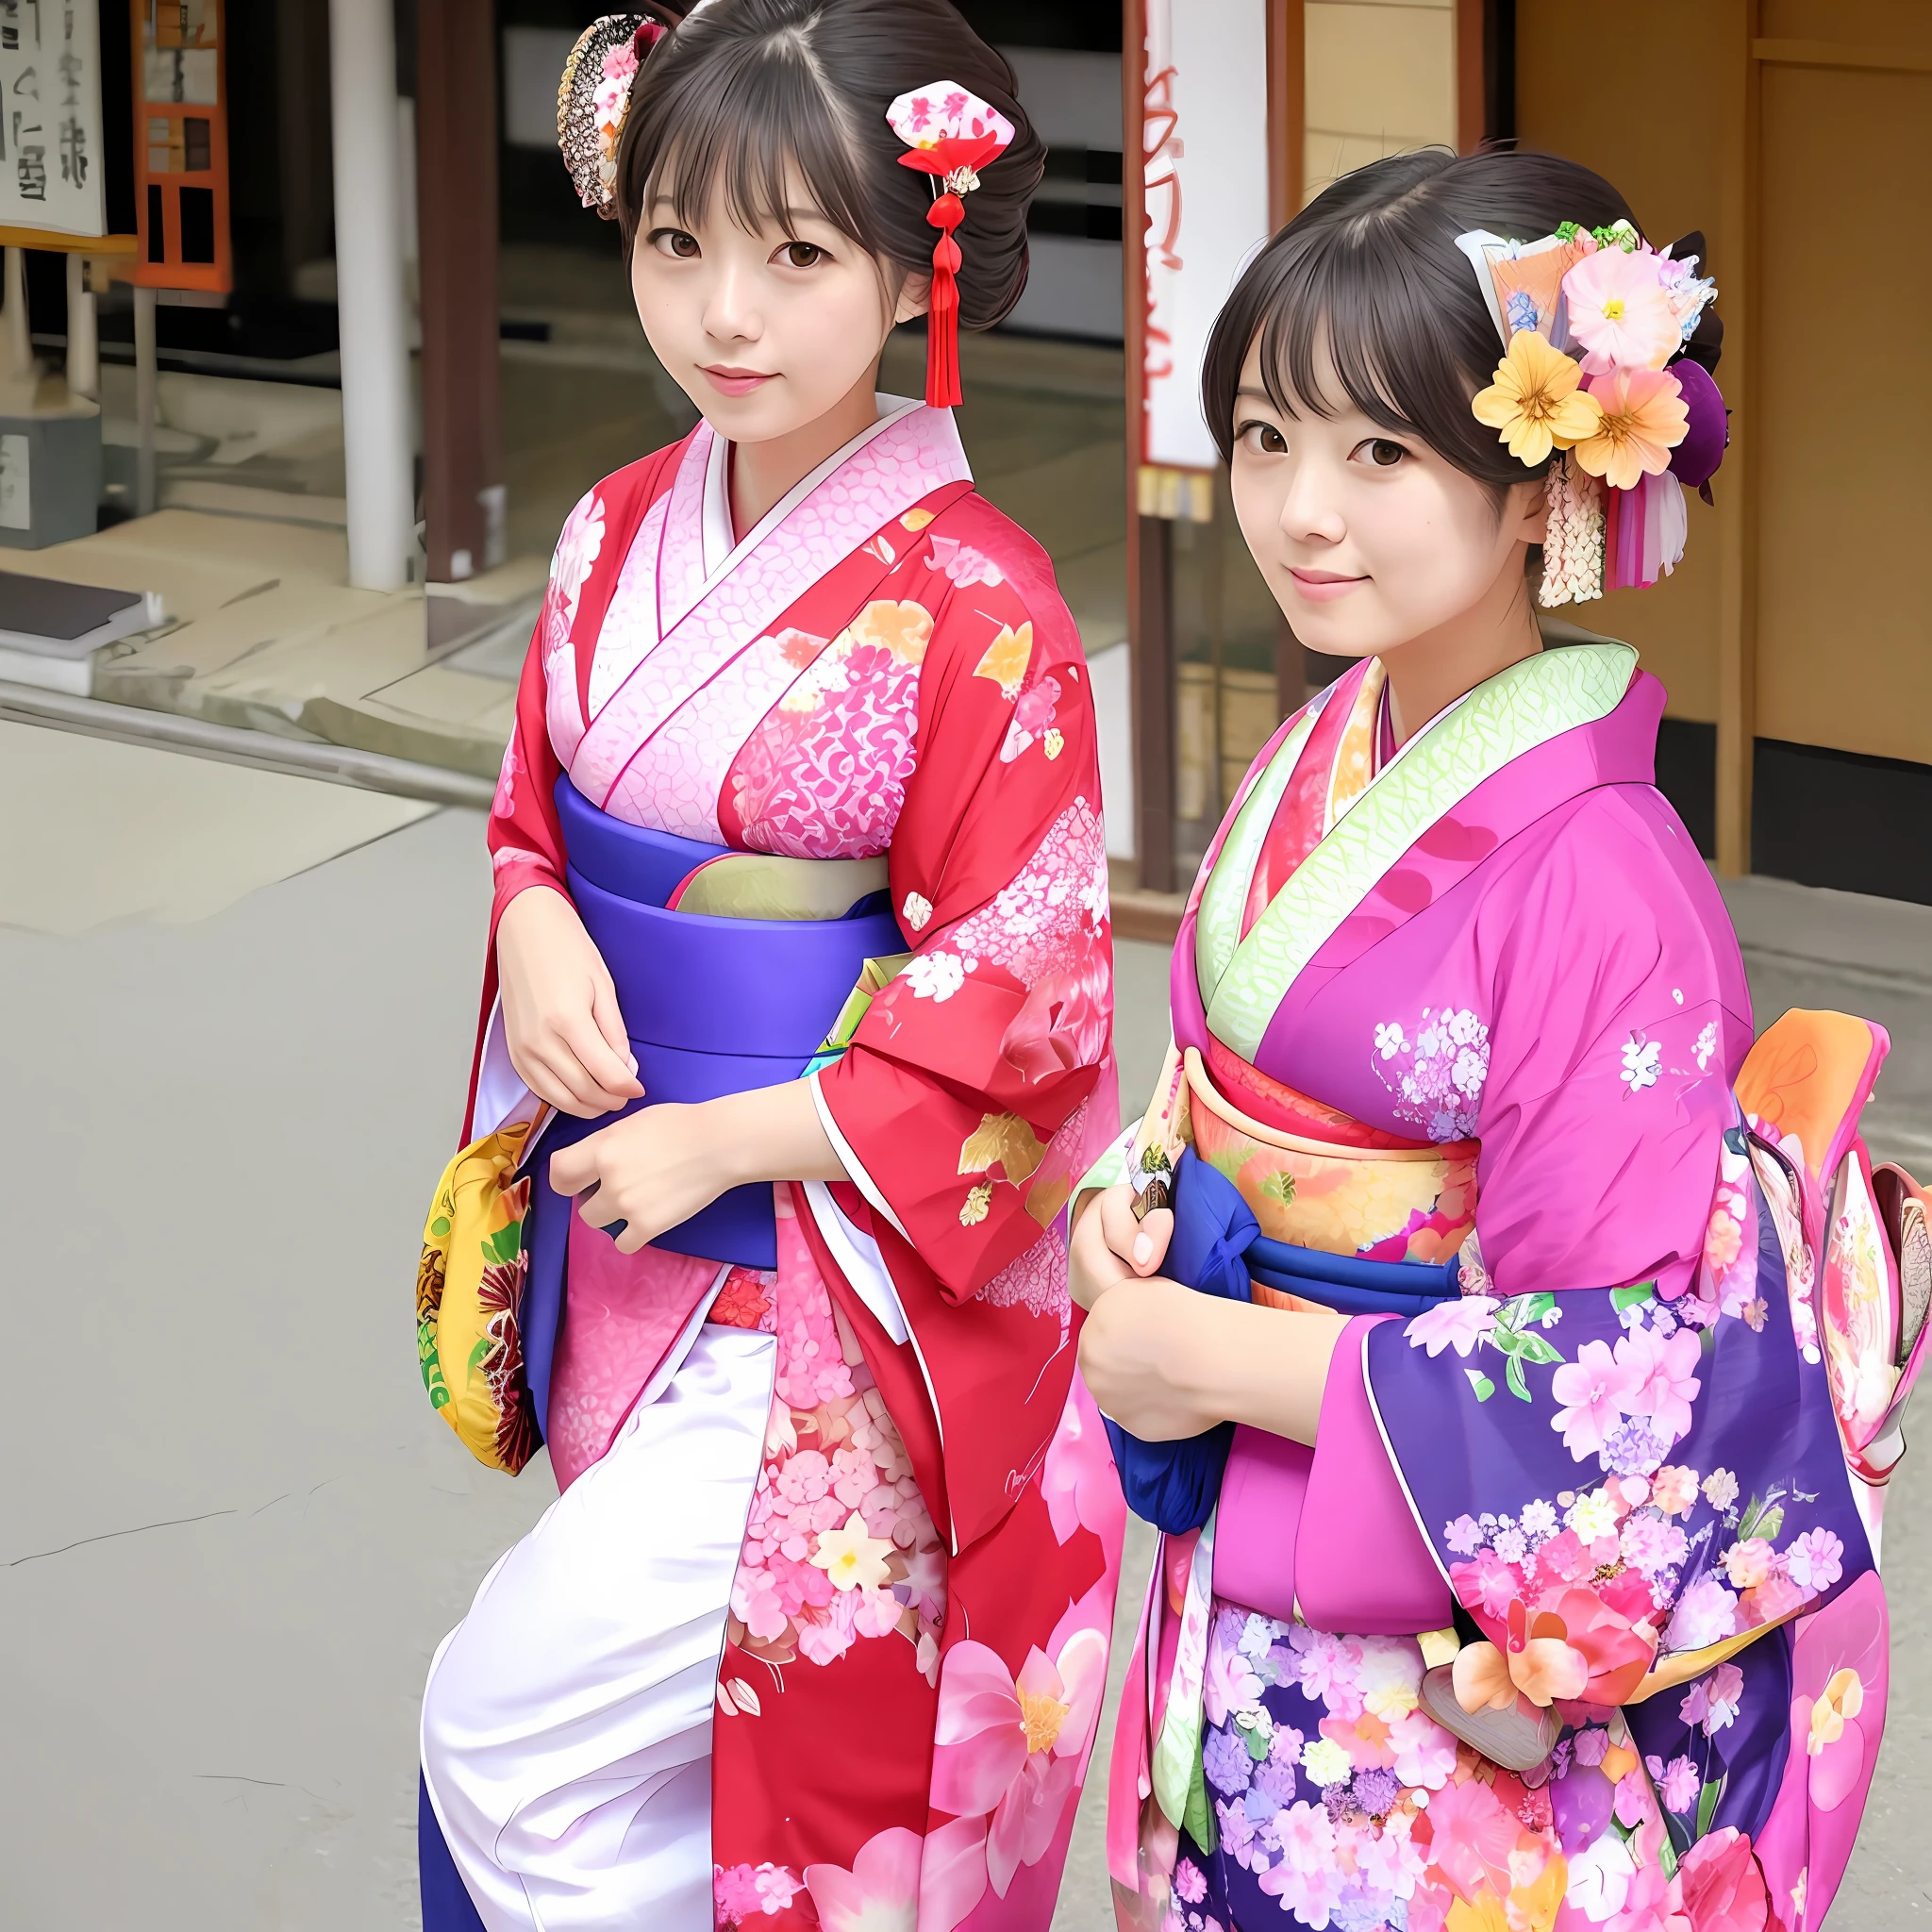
(800, 964)
(1520, 1470)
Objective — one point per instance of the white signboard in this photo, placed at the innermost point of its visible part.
(50, 116)
(1205, 143)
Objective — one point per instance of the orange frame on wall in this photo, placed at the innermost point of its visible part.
(181, 145)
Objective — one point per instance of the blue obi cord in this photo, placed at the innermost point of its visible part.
(1217, 1248)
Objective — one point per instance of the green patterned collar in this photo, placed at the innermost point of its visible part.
(1244, 980)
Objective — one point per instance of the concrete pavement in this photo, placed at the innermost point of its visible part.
(233, 1531)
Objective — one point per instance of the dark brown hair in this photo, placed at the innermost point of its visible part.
(746, 87)
(1370, 269)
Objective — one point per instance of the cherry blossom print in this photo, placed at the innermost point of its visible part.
(961, 564)
(1013, 1745)
(576, 552)
(1459, 1324)
(743, 1894)
(1048, 918)
(881, 1894)
(1437, 1072)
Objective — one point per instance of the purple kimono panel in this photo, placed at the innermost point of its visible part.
(1632, 1477)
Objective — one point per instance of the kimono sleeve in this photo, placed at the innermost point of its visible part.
(1616, 1444)
(524, 838)
(961, 1108)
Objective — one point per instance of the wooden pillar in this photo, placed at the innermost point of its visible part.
(1485, 72)
(1288, 105)
(462, 422)
(1737, 87)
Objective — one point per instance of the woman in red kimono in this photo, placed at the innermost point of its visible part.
(816, 1632)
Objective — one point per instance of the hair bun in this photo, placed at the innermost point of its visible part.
(592, 98)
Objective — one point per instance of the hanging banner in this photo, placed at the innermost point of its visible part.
(1204, 142)
(50, 117)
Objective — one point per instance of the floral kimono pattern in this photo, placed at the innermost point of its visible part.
(917, 1633)
(1629, 1481)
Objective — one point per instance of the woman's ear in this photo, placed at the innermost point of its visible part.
(915, 298)
(1527, 510)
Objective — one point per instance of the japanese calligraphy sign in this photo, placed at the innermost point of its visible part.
(50, 116)
(1204, 142)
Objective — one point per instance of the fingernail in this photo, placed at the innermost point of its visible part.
(1144, 1248)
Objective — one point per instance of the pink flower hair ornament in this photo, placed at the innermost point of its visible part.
(1599, 372)
(950, 133)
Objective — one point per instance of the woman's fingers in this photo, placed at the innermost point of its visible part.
(1095, 1267)
(612, 1076)
(608, 1020)
(574, 1169)
(551, 1082)
(1142, 1245)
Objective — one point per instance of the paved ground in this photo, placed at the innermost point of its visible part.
(235, 1532)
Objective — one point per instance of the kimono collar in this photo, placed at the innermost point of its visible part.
(722, 549)
(1242, 981)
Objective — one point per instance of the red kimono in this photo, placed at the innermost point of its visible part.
(920, 1552)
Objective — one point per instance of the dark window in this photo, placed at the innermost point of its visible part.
(197, 148)
(157, 234)
(198, 224)
(1096, 221)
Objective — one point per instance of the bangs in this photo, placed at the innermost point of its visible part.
(754, 120)
(1362, 308)
(1368, 279)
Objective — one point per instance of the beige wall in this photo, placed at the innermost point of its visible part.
(1381, 77)
(1843, 642)
(1651, 141)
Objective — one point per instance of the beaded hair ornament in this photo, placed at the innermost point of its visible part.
(950, 133)
(1607, 352)
(592, 98)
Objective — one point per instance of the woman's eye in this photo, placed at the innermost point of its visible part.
(674, 241)
(803, 254)
(1383, 453)
(1264, 439)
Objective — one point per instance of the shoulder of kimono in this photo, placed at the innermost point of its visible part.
(1026, 593)
(643, 482)
(1614, 872)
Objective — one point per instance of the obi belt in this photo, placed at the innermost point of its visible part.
(1217, 1247)
(711, 1006)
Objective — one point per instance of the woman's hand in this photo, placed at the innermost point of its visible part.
(650, 1172)
(1110, 1246)
(1164, 1362)
(566, 1035)
(662, 1165)
(1141, 1353)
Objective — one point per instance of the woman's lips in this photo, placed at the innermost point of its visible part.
(1323, 585)
(734, 382)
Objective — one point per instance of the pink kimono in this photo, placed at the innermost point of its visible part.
(1462, 1024)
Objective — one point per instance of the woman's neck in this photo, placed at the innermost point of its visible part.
(1429, 673)
(761, 472)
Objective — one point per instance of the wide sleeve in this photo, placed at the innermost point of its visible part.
(965, 1108)
(1617, 1445)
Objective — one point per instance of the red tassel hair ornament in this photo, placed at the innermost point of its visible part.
(950, 133)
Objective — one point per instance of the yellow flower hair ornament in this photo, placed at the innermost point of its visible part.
(1605, 354)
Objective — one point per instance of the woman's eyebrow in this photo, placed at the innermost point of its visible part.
(1255, 395)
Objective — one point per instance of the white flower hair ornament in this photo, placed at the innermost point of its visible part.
(950, 133)
(593, 99)
(1608, 354)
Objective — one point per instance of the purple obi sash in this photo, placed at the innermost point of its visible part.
(712, 1006)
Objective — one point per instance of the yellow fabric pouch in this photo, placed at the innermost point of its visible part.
(470, 1301)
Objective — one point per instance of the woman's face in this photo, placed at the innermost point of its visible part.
(1368, 539)
(765, 332)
